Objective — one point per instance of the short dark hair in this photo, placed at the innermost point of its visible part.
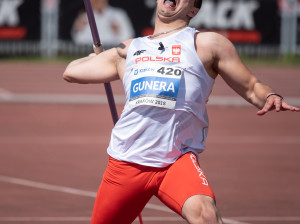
(198, 3)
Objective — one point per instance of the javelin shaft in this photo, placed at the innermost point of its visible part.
(98, 45)
(111, 102)
(107, 86)
(92, 22)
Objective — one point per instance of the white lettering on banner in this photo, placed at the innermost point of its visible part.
(201, 174)
(227, 14)
(243, 16)
(153, 85)
(9, 12)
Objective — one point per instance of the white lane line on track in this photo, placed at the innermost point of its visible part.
(5, 91)
(50, 187)
(69, 190)
(53, 140)
(233, 220)
(44, 186)
(44, 219)
(5, 94)
(268, 218)
(7, 97)
(59, 98)
(74, 191)
(82, 219)
(255, 140)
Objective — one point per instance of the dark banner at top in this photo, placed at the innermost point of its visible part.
(20, 19)
(242, 21)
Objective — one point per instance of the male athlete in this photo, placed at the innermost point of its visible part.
(167, 78)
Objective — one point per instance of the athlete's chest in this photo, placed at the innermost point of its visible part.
(157, 73)
(159, 51)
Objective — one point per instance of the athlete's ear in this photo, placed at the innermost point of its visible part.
(193, 12)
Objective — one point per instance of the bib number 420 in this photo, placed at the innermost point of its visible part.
(169, 71)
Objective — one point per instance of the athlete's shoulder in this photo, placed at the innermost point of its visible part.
(210, 38)
(122, 48)
(213, 41)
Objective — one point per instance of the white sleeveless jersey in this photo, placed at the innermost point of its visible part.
(167, 88)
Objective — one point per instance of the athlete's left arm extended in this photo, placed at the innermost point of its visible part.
(229, 65)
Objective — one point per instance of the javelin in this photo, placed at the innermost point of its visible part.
(99, 49)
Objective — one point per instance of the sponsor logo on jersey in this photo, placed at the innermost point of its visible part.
(157, 58)
(141, 70)
(161, 47)
(176, 49)
(139, 52)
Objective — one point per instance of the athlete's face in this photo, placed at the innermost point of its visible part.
(99, 5)
(176, 9)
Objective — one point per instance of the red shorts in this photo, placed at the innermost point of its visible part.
(127, 187)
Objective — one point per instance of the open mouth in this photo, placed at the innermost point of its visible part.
(170, 3)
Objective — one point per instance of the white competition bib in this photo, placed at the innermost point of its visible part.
(155, 85)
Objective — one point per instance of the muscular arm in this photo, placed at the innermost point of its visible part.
(225, 61)
(104, 67)
(230, 67)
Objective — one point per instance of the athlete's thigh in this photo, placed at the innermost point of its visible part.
(121, 196)
(183, 179)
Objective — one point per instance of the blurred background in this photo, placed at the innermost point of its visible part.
(50, 28)
(54, 135)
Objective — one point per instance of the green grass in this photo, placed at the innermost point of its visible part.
(38, 59)
(282, 61)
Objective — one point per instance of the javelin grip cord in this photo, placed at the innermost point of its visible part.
(98, 45)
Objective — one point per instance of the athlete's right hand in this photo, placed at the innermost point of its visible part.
(98, 50)
(92, 54)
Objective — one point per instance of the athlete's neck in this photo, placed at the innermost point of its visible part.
(166, 32)
(165, 29)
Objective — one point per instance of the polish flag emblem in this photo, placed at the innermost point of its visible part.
(176, 49)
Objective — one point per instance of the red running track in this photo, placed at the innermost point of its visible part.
(52, 156)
